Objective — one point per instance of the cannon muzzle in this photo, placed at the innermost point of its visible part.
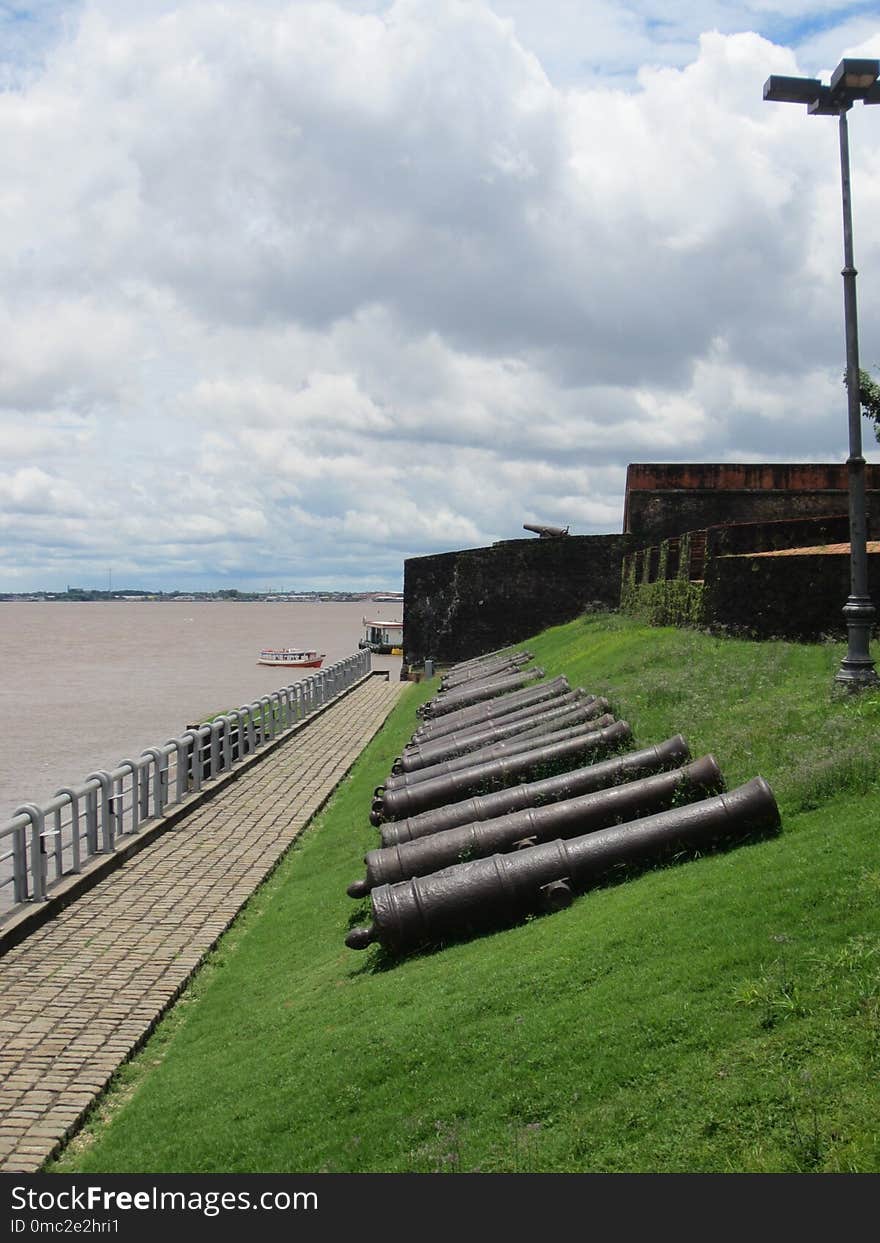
(495, 892)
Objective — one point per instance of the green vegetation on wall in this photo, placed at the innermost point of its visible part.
(667, 601)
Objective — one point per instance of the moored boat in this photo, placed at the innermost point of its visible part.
(383, 637)
(291, 658)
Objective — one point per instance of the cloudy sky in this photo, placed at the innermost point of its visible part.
(291, 291)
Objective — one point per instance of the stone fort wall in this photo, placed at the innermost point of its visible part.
(458, 604)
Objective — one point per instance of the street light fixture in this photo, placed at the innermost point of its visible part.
(851, 80)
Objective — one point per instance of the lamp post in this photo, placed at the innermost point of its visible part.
(851, 80)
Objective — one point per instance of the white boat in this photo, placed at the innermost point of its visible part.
(383, 637)
(291, 658)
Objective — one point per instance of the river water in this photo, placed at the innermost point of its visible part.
(85, 685)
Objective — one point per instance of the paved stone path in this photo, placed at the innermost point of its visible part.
(80, 994)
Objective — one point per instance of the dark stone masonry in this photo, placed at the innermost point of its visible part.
(459, 604)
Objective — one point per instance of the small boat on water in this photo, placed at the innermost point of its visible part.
(290, 658)
(383, 637)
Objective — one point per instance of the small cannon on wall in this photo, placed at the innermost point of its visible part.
(546, 532)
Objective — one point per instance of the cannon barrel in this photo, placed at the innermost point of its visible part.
(486, 894)
(496, 751)
(480, 662)
(482, 658)
(568, 818)
(440, 705)
(502, 706)
(578, 695)
(457, 677)
(672, 753)
(496, 670)
(544, 531)
(424, 755)
(491, 775)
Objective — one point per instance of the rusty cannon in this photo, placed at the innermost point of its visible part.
(520, 829)
(488, 894)
(465, 682)
(489, 775)
(546, 532)
(514, 701)
(527, 725)
(450, 701)
(496, 670)
(419, 743)
(496, 751)
(600, 775)
(457, 677)
(478, 660)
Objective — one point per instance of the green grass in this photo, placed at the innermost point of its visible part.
(718, 1015)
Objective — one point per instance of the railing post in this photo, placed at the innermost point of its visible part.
(19, 865)
(160, 778)
(226, 739)
(214, 748)
(249, 722)
(236, 749)
(132, 767)
(103, 779)
(38, 858)
(92, 821)
(66, 791)
(143, 792)
(59, 846)
(265, 703)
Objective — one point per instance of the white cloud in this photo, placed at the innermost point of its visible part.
(293, 292)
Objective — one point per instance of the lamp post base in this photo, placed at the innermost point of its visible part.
(857, 672)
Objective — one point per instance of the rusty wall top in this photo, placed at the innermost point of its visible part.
(786, 476)
(665, 499)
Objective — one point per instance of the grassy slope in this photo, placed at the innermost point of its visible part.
(720, 1015)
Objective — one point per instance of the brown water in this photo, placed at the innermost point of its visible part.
(87, 685)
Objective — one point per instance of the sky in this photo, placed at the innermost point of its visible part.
(291, 292)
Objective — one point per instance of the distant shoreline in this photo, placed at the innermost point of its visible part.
(225, 597)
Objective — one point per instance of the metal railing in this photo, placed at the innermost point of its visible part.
(39, 846)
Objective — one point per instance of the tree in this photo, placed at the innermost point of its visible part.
(869, 396)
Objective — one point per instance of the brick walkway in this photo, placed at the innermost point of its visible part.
(80, 994)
